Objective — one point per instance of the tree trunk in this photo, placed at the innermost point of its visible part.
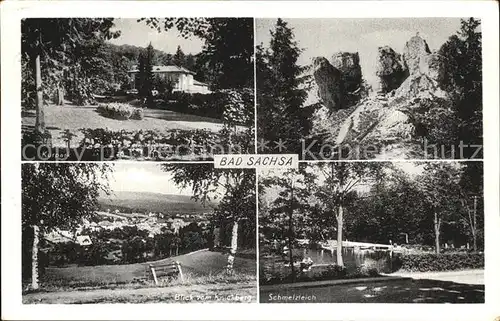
(437, 231)
(60, 95)
(40, 116)
(340, 261)
(474, 228)
(234, 246)
(290, 236)
(34, 258)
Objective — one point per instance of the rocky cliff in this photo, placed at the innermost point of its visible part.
(381, 120)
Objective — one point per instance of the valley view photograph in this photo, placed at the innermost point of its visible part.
(138, 233)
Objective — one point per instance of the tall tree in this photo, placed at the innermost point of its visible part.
(228, 50)
(179, 58)
(234, 187)
(280, 96)
(470, 193)
(146, 61)
(58, 196)
(51, 42)
(439, 184)
(463, 53)
(340, 179)
(288, 208)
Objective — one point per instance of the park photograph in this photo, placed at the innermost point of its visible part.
(372, 232)
(370, 88)
(152, 89)
(137, 233)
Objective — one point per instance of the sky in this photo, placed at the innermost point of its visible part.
(143, 178)
(323, 37)
(140, 34)
(412, 168)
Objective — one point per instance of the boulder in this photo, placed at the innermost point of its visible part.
(390, 69)
(414, 49)
(348, 65)
(329, 82)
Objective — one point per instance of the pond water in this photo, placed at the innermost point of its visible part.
(353, 259)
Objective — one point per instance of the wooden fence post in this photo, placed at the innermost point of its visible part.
(154, 273)
(180, 270)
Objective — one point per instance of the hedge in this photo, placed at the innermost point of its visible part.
(282, 274)
(427, 262)
(231, 106)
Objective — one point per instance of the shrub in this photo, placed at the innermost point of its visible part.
(159, 145)
(137, 114)
(281, 274)
(120, 111)
(231, 106)
(426, 262)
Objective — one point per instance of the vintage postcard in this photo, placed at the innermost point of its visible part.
(250, 160)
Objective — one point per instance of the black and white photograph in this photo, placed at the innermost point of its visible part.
(250, 160)
(138, 89)
(372, 232)
(137, 233)
(398, 88)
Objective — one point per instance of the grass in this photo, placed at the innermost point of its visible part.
(204, 267)
(72, 118)
(205, 280)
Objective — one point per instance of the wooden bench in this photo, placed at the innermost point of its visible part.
(170, 268)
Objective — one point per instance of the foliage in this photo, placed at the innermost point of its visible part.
(443, 262)
(234, 107)
(226, 59)
(160, 145)
(179, 58)
(70, 51)
(137, 114)
(235, 188)
(463, 53)
(59, 196)
(434, 120)
(280, 98)
(145, 77)
(270, 275)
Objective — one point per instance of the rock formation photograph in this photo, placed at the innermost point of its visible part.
(332, 89)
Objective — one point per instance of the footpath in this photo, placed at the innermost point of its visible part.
(464, 277)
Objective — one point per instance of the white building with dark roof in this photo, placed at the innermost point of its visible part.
(181, 77)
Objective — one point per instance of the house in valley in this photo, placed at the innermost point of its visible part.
(182, 78)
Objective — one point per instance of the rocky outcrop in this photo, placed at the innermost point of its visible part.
(329, 83)
(415, 48)
(434, 66)
(382, 122)
(390, 69)
(348, 65)
(374, 122)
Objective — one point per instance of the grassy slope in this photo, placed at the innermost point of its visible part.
(197, 264)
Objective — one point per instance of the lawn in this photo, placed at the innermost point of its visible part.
(59, 118)
(205, 280)
(199, 264)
